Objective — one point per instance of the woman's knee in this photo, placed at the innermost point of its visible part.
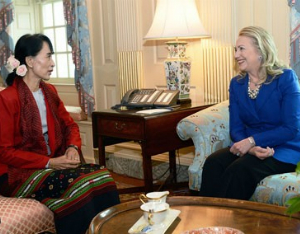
(221, 158)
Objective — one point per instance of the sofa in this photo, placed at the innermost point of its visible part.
(209, 131)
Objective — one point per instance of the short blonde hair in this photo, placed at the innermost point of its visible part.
(265, 44)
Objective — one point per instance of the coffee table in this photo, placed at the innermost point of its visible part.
(249, 217)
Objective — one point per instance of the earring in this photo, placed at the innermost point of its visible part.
(259, 58)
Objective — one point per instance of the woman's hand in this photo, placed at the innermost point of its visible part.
(72, 154)
(71, 159)
(262, 153)
(242, 147)
(63, 162)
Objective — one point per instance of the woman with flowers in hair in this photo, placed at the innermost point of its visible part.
(40, 155)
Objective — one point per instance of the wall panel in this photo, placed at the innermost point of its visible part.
(273, 15)
(281, 28)
(108, 32)
(102, 26)
(24, 17)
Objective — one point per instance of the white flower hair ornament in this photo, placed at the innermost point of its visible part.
(13, 64)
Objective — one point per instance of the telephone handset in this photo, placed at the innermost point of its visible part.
(129, 94)
(149, 98)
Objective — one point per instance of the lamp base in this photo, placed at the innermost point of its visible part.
(178, 76)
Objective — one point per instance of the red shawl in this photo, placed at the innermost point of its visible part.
(31, 128)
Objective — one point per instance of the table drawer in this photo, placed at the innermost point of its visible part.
(132, 129)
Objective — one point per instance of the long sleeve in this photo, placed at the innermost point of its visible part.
(72, 136)
(273, 118)
(10, 136)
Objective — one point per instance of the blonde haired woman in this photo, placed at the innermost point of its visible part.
(264, 106)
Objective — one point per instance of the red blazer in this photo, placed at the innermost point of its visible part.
(10, 135)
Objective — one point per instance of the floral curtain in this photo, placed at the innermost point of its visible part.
(78, 38)
(295, 35)
(6, 42)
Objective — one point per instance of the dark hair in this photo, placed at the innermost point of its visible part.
(28, 45)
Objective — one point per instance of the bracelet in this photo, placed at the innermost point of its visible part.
(48, 164)
(251, 140)
(73, 146)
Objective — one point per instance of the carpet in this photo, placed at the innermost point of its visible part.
(125, 197)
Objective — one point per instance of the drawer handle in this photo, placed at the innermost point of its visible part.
(119, 127)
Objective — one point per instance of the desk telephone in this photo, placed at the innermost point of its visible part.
(150, 98)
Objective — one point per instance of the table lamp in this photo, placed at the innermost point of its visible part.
(175, 20)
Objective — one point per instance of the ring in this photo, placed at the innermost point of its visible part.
(271, 152)
(237, 154)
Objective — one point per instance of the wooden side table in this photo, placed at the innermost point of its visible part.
(156, 133)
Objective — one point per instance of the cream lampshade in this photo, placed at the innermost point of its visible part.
(177, 20)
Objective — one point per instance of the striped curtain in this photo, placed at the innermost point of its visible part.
(6, 42)
(79, 39)
(218, 69)
(129, 45)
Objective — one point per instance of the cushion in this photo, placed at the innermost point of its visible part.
(76, 113)
(25, 216)
(277, 189)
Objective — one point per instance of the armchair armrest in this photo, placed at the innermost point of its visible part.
(209, 131)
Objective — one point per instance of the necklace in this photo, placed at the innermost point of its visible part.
(253, 93)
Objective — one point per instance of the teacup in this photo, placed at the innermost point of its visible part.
(155, 196)
(155, 212)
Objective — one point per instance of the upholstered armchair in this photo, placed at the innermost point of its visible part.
(209, 130)
(25, 216)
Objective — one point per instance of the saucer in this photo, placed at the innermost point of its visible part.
(142, 226)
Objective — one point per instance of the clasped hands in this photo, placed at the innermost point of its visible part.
(244, 146)
(69, 160)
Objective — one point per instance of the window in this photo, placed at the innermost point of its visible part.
(53, 25)
(47, 17)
